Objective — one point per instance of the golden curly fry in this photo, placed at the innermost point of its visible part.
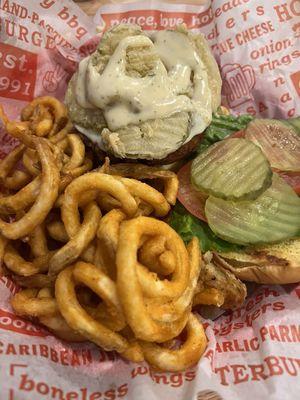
(18, 265)
(62, 133)
(76, 149)
(57, 231)
(171, 311)
(107, 202)
(92, 181)
(128, 280)
(123, 280)
(143, 209)
(154, 255)
(179, 359)
(38, 241)
(79, 320)
(34, 281)
(135, 353)
(100, 261)
(3, 243)
(41, 304)
(18, 179)
(209, 296)
(44, 201)
(26, 303)
(108, 235)
(20, 131)
(105, 288)
(55, 322)
(88, 255)
(31, 162)
(148, 194)
(79, 242)
(55, 111)
(24, 198)
(150, 283)
(144, 172)
(40, 119)
(74, 173)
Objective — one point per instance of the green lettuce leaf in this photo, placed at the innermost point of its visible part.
(187, 226)
(222, 126)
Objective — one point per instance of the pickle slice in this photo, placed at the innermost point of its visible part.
(295, 123)
(233, 169)
(279, 142)
(273, 216)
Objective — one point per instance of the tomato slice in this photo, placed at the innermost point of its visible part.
(190, 198)
(292, 178)
(238, 134)
(278, 141)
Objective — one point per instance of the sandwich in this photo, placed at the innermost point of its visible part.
(240, 196)
(155, 98)
(145, 97)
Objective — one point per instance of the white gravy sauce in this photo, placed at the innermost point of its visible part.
(175, 49)
(167, 90)
(92, 135)
(80, 87)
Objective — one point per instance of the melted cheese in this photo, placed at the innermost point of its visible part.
(176, 50)
(80, 86)
(93, 136)
(127, 100)
(177, 83)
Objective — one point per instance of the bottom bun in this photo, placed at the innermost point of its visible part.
(177, 155)
(275, 264)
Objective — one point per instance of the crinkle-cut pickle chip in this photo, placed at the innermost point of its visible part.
(279, 142)
(272, 217)
(233, 169)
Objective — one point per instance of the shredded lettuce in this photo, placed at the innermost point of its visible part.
(187, 226)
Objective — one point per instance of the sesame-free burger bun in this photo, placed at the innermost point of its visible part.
(271, 264)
